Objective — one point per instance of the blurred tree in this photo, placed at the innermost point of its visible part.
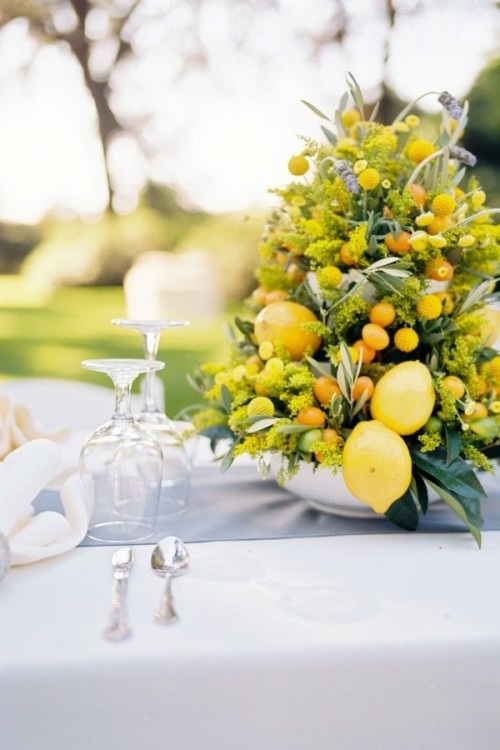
(482, 136)
(103, 36)
(111, 37)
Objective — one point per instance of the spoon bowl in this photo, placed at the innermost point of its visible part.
(169, 558)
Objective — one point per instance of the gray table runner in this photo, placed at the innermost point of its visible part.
(239, 505)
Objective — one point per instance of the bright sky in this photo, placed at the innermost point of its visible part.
(225, 140)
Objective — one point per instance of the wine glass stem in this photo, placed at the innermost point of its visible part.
(122, 399)
(151, 340)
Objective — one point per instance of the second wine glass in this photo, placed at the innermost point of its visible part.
(121, 463)
(176, 463)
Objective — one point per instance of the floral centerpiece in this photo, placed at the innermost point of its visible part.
(368, 348)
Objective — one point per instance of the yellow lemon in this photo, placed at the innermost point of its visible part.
(376, 465)
(282, 322)
(404, 397)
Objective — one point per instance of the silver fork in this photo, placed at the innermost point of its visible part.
(117, 627)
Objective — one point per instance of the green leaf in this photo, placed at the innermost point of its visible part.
(453, 444)
(403, 512)
(472, 520)
(419, 489)
(261, 423)
(330, 136)
(228, 459)
(227, 399)
(458, 477)
(315, 110)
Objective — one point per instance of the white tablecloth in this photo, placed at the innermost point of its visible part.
(369, 641)
(360, 641)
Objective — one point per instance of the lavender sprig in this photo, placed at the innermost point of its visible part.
(456, 152)
(344, 171)
(451, 105)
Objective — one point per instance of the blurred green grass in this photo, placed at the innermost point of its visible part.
(49, 340)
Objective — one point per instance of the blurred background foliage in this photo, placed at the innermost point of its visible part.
(61, 277)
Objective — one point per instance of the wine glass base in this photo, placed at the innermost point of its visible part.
(120, 532)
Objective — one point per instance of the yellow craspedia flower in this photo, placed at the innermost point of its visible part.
(350, 117)
(406, 339)
(329, 277)
(495, 407)
(420, 150)
(369, 178)
(298, 165)
(466, 241)
(239, 373)
(443, 204)
(424, 219)
(401, 127)
(478, 198)
(260, 406)
(418, 240)
(359, 166)
(437, 240)
(429, 306)
(412, 121)
(266, 350)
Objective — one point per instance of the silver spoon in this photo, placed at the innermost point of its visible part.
(169, 558)
(117, 627)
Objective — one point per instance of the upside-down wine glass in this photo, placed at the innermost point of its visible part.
(121, 463)
(176, 463)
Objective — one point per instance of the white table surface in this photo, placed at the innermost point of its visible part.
(349, 642)
(376, 641)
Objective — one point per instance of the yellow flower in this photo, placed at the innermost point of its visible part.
(443, 204)
(266, 350)
(346, 143)
(239, 373)
(274, 366)
(466, 241)
(329, 277)
(386, 184)
(406, 339)
(429, 306)
(412, 121)
(260, 406)
(420, 150)
(369, 178)
(350, 117)
(298, 165)
(437, 240)
(478, 198)
(424, 219)
(419, 240)
(401, 127)
(359, 166)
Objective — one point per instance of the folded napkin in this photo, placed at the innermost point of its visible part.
(17, 427)
(23, 474)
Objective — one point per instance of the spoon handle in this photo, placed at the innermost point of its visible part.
(117, 627)
(166, 614)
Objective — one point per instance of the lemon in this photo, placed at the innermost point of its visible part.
(281, 322)
(376, 465)
(404, 397)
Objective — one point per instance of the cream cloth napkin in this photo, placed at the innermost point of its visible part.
(18, 427)
(24, 473)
